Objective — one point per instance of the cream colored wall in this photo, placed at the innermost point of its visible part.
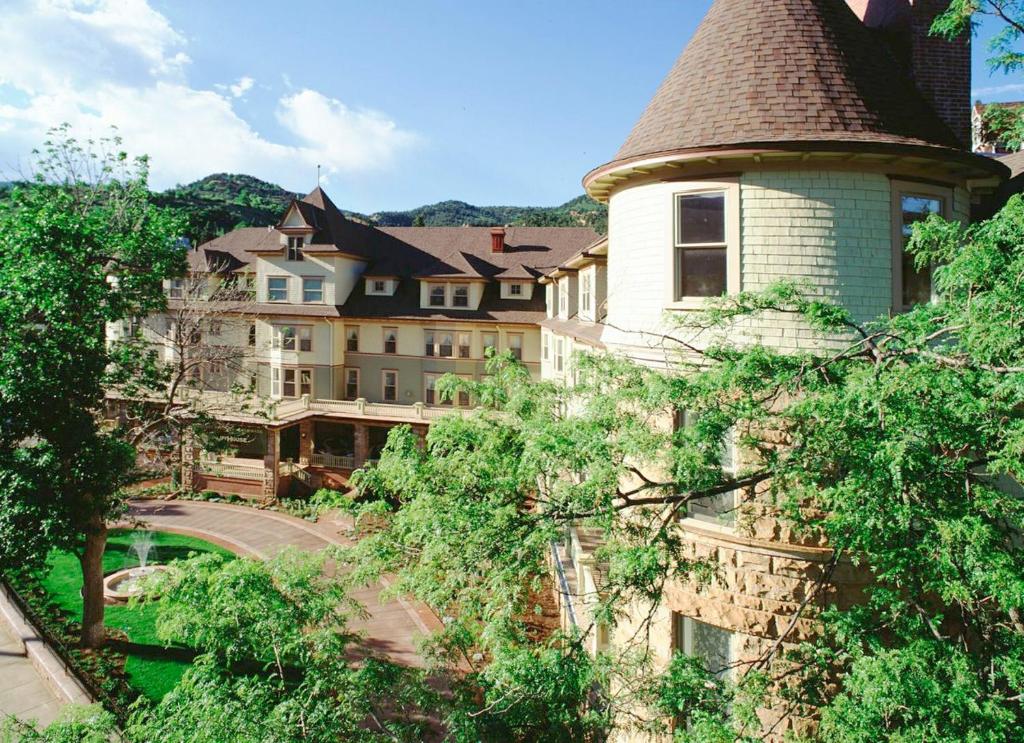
(569, 287)
(339, 273)
(831, 230)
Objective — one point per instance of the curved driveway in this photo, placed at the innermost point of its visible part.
(390, 628)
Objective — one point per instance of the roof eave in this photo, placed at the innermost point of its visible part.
(600, 181)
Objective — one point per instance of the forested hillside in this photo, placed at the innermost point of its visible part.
(219, 203)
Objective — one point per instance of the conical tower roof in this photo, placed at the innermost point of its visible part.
(770, 72)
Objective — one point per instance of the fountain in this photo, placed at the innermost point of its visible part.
(120, 586)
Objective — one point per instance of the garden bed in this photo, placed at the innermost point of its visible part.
(134, 662)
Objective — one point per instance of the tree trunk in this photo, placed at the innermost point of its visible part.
(93, 630)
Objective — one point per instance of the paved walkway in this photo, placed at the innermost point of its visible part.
(22, 691)
(391, 627)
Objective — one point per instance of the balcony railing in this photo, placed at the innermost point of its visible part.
(232, 470)
(333, 461)
(361, 408)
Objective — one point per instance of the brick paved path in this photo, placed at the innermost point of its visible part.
(391, 627)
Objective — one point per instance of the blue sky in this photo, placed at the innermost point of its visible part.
(402, 102)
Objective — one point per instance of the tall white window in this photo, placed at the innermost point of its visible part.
(277, 289)
(352, 339)
(292, 338)
(559, 354)
(464, 345)
(295, 243)
(585, 292)
(389, 385)
(312, 289)
(275, 381)
(176, 289)
(701, 245)
(712, 645)
(545, 343)
(291, 382)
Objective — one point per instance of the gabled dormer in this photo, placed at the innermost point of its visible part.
(297, 229)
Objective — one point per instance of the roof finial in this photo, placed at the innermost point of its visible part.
(318, 175)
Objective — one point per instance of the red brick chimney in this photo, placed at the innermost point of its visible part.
(498, 240)
(941, 69)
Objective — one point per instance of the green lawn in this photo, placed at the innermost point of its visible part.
(151, 676)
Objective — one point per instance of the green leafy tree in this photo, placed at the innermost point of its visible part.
(80, 247)
(76, 724)
(279, 663)
(902, 446)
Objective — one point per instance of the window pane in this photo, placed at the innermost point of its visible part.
(701, 272)
(702, 218)
(917, 284)
(712, 646)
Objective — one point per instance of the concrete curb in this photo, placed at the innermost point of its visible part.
(47, 663)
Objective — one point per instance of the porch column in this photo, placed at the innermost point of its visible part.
(272, 464)
(306, 442)
(362, 444)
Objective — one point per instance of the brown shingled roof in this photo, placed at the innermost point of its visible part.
(763, 73)
(407, 253)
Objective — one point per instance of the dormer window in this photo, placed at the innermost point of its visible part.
(437, 295)
(460, 296)
(379, 286)
(295, 244)
(515, 290)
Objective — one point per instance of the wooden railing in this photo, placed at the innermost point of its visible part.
(296, 471)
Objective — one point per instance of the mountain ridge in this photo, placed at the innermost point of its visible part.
(221, 202)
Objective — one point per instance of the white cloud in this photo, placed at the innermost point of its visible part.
(240, 88)
(339, 137)
(102, 63)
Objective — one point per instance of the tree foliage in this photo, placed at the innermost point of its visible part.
(80, 247)
(900, 442)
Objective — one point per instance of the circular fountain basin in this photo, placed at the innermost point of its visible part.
(124, 584)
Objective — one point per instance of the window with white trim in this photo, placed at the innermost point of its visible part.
(351, 384)
(585, 292)
(176, 289)
(701, 245)
(295, 244)
(559, 354)
(312, 289)
(465, 339)
(352, 339)
(292, 337)
(277, 288)
(438, 343)
(389, 385)
(515, 290)
(460, 295)
(490, 342)
(545, 341)
(391, 340)
(291, 382)
(437, 295)
(430, 395)
(713, 645)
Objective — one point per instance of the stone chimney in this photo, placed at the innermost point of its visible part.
(941, 69)
(498, 240)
